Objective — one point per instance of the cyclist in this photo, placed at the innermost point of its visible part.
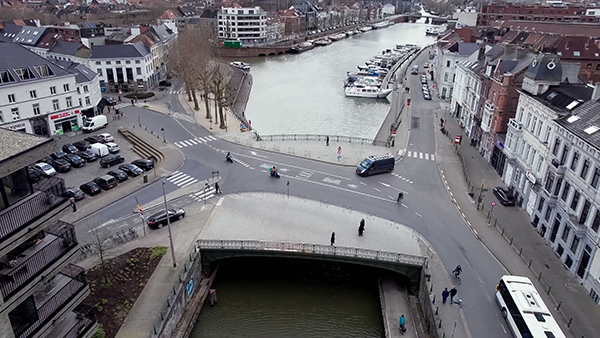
(457, 271)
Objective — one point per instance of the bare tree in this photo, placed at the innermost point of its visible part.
(223, 94)
(101, 242)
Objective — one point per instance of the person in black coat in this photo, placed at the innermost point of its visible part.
(332, 238)
(361, 227)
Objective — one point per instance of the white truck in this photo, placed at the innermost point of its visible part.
(100, 149)
(94, 123)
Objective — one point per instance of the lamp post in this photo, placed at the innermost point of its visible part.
(163, 132)
(169, 225)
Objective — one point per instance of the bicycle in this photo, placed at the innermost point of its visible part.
(457, 276)
(133, 233)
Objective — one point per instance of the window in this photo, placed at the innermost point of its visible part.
(44, 70)
(528, 123)
(565, 234)
(585, 212)
(127, 62)
(87, 101)
(69, 102)
(585, 169)
(548, 213)
(596, 222)
(52, 90)
(565, 192)
(1, 118)
(99, 71)
(558, 186)
(36, 109)
(118, 62)
(24, 73)
(137, 62)
(55, 105)
(541, 204)
(98, 62)
(448, 63)
(108, 62)
(86, 89)
(575, 160)
(556, 146)
(138, 70)
(5, 77)
(11, 98)
(560, 250)
(549, 181)
(565, 154)
(66, 87)
(575, 200)
(547, 136)
(446, 77)
(569, 261)
(15, 113)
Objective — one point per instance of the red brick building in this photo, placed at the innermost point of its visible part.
(554, 13)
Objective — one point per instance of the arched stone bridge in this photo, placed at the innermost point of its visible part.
(407, 265)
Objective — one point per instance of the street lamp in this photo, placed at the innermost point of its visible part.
(163, 132)
(169, 225)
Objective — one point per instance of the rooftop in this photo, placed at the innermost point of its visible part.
(13, 143)
(135, 50)
(584, 122)
(565, 97)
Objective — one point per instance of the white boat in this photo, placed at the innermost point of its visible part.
(241, 65)
(350, 33)
(383, 24)
(432, 31)
(322, 42)
(337, 37)
(366, 29)
(366, 91)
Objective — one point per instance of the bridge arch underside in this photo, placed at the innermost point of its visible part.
(411, 272)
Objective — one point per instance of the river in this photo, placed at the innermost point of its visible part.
(292, 298)
(304, 94)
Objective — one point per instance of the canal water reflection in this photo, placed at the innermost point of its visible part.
(304, 94)
(292, 298)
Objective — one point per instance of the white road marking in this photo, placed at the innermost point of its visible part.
(353, 186)
(190, 183)
(418, 214)
(409, 153)
(193, 142)
(211, 138)
(432, 157)
(220, 201)
(421, 155)
(362, 183)
(426, 156)
(200, 139)
(331, 180)
(384, 184)
(404, 205)
(377, 190)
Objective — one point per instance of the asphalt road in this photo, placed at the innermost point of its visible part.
(426, 206)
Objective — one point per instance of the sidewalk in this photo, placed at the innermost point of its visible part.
(529, 255)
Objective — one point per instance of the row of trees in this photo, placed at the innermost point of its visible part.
(193, 61)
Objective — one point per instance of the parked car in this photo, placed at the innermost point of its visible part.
(425, 88)
(113, 148)
(46, 159)
(59, 154)
(119, 174)
(110, 160)
(144, 163)
(108, 101)
(426, 96)
(74, 192)
(93, 139)
(75, 160)
(106, 182)
(69, 149)
(60, 165)
(34, 175)
(159, 219)
(82, 145)
(90, 188)
(423, 79)
(165, 83)
(131, 169)
(87, 155)
(44, 169)
(505, 197)
(105, 137)
(426, 65)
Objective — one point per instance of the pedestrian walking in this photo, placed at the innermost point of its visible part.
(441, 122)
(72, 201)
(132, 102)
(327, 141)
(332, 238)
(217, 189)
(453, 293)
(445, 295)
(400, 197)
(459, 139)
(361, 227)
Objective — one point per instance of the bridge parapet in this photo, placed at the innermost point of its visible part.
(319, 249)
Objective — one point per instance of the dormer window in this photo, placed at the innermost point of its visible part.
(36, 33)
(24, 73)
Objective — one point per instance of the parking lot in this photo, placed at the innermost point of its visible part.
(77, 176)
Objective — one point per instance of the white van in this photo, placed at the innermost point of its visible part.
(100, 149)
(112, 147)
(94, 123)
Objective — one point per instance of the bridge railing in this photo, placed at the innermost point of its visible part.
(314, 249)
(321, 138)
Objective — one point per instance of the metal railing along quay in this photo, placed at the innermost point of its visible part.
(377, 255)
(321, 138)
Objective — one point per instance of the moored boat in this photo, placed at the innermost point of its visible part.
(432, 31)
(241, 65)
(303, 47)
(322, 42)
(366, 29)
(366, 91)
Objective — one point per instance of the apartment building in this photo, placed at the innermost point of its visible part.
(123, 67)
(556, 12)
(36, 95)
(248, 25)
(449, 55)
(41, 291)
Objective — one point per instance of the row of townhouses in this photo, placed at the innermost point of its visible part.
(535, 121)
(41, 290)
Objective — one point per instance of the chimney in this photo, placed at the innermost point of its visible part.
(596, 92)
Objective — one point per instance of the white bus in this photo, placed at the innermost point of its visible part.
(524, 310)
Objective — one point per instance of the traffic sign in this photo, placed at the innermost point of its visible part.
(393, 131)
(457, 139)
(493, 203)
(339, 150)
(141, 212)
(169, 107)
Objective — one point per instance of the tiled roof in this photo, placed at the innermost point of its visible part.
(546, 68)
(82, 73)
(119, 51)
(584, 122)
(30, 35)
(583, 29)
(13, 143)
(577, 47)
(65, 48)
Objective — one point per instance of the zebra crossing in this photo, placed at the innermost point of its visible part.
(181, 180)
(402, 178)
(420, 155)
(194, 141)
(174, 92)
(304, 175)
(203, 195)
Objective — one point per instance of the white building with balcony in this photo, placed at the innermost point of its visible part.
(466, 101)
(449, 58)
(36, 95)
(248, 25)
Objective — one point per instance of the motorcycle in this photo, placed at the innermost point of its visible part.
(274, 174)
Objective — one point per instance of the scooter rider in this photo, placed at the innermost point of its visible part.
(273, 171)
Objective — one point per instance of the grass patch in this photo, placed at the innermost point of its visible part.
(158, 251)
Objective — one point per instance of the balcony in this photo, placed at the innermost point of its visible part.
(557, 168)
(77, 324)
(23, 264)
(48, 301)
(515, 126)
(48, 194)
(488, 112)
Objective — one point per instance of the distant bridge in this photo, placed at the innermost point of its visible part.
(407, 265)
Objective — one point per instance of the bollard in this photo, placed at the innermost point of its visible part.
(520, 252)
(540, 277)
(549, 288)
(436, 310)
(570, 321)
(511, 240)
(558, 306)
(503, 231)
(431, 288)
(530, 263)
(433, 302)
(440, 325)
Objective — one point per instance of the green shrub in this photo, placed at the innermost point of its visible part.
(158, 251)
(99, 332)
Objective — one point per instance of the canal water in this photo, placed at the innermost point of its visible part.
(304, 94)
(292, 298)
